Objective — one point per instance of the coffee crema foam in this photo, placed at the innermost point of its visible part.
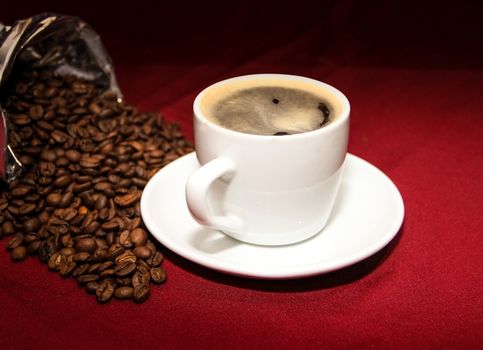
(268, 109)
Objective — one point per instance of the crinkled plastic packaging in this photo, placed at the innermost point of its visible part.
(63, 43)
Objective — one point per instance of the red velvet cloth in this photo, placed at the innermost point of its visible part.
(414, 76)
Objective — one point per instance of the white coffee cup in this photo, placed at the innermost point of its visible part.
(268, 190)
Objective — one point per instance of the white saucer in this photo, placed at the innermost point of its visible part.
(368, 213)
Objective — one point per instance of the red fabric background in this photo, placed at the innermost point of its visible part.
(414, 76)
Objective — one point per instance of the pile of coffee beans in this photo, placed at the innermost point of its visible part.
(86, 157)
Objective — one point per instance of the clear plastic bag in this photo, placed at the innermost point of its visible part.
(64, 43)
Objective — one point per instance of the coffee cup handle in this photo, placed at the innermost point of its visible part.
(196, 191)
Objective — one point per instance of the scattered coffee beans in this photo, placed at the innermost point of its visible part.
(87, 158)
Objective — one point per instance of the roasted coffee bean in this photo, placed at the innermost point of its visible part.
(67, 267)
(55, 261)
(79, 87)
(33, 247)
(99, 254)
(104, 292)
(142, 252)
(58, 229)
(3, 206)
(123, 239)
(81, 256)
(155, 259)
(21, 191)
(124, 292)
(45, 127)
(114, 250)
(67, 240)
(44, 233)
(92, 227)
(138, 236)
(80, 110)
(110, 238)
(13, 210)
(77, 221)
(114, 178)
(141, 276)
(15, 241)
(41, 133)
(17, 202)
(62, 162)
(46, 249)
(54, 199)
(106, 113)
(66, 200)
(101, 202)
(89, 162)
(102, 186)
(20, 119)
(123, 281)
(67, 251)
(44, 181)
(158, 275)
(32, 224)
(26, 160)
(107, 273)
(88, 219)
(68, 214)
(135, 223)
(127, 182)
(93, 268)
(89, 199)
(81, 187)
(83, 210)
(157, 153)
(143, 266)
(110, 225)
(30, 237)
(7, 228)
(127, 256)
(27, 209)
(139, 183)
(105, 265)
(83, 279)
(127, 199)
(52, 91)
(55, 220)
(125, 268)
(59, 136)
(91, 287)
(36, 112)
(73, 155)
(32, 150)
(83, 179)
(48, 155)
(80, 270)
(86, 244)
(19, 253)
(86, 158)
(101, 243)
(94, 108)
(62, 181)
(141, 293)
(63, 111)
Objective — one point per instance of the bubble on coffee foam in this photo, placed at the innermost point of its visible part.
(269, 110)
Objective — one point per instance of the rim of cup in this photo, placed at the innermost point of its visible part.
(342, 115)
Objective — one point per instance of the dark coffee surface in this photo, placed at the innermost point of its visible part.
(271, 110)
